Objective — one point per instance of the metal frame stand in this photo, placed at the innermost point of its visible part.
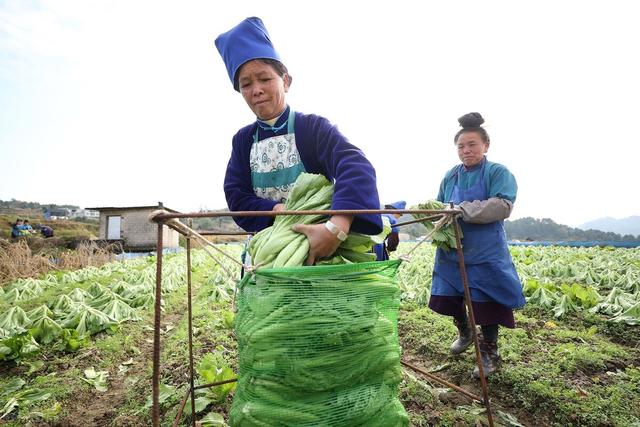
(164, 219)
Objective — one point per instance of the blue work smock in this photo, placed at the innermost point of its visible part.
(491, 275)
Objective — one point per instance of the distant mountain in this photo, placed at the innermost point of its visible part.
(630, 225)
(533, 229)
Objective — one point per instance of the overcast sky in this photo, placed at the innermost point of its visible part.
(121, 103)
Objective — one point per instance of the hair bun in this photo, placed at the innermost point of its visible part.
(471, 120)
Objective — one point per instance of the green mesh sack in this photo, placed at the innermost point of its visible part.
(319, 346)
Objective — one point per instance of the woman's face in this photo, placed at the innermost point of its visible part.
(263, 89)
(471, 148)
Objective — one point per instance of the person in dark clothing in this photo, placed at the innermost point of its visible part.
(485, 193)
(269, 154)
(46, 231)
(393, 239)
(16, 230)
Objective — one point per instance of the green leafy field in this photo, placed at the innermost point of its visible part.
(76, 347)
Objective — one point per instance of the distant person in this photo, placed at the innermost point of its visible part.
(27, 227)
(390, 244)
(485, 192)
(16, 229)
(269, 154)
(46, 231)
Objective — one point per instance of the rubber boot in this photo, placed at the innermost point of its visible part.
(465, 337)
(490, 358)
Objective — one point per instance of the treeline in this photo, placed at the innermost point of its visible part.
(18, 204)
(221, 223)
(533, 229)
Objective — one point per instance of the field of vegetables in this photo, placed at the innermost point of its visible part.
(75, 347)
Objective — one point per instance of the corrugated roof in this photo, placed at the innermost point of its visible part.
(127, 208)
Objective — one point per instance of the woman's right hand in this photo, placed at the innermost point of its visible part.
(322, 242)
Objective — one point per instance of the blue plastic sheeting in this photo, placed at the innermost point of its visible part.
(579, 244)
(132, 255)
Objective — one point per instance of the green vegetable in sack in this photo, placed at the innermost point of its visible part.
(279, 246)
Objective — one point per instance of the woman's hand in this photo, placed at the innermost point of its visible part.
(322, 242)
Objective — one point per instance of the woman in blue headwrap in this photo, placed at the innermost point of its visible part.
(268, 155)
(485, 192)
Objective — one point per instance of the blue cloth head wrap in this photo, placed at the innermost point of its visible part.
(396, 205)
(246, 41)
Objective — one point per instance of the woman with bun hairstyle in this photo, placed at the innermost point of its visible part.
(269, 154)
(485, 192)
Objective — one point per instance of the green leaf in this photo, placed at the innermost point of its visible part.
(508, 419)
(212, 368)
(98, 379)
(166, 393)
(79, 295)
(228, 317)
(631, 316)
(71, 341)
(9, 406)
(12, 386)
(34, 366)
(45, 330)
(120, 311)
(87, 320)
(15, 320)
(63, 304)
(213, 419)
(27, 397)
(201, 404)
(40, 311)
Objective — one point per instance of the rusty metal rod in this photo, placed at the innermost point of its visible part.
(190, 326)
(472, 321)
(186, 396)
(155, 409)
(217, 383)
(443, 382)
(181, 408)
(165, 216)
(413, 221)
(225, 233)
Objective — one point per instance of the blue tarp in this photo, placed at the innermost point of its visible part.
(579, 244)
(132, 255)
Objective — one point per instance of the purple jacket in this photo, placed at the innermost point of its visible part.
(323, 150)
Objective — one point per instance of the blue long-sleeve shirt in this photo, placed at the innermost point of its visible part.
(498, 181)
(323, 150)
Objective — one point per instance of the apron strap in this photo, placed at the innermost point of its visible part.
(290, 123)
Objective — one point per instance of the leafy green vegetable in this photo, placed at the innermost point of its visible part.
(45, 330)
(87, 320)
(630, 316)
(63, 304)
(167, 392)
(17, 346)
(39, 312)
(213, 419)
(120, 311)
(71, 341)
(279, 246)
(15, 321)
(98, 379)
(445, 237)
(12, 386)
(213, 368)
(79, 295)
